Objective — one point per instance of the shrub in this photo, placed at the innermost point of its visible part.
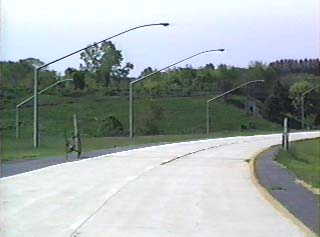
(111, 126)
(151, 119)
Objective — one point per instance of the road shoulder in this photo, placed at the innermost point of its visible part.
(280, 188)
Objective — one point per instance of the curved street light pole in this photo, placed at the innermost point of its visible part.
(151, 74)
(30, 98)
(219, 96)
(37, 69)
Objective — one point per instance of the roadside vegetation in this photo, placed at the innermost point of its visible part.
(54, 145)
(303, 159)
(168, 105)
(103, 123)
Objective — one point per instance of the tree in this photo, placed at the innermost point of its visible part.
(154, 85)
(111, 126)
(311, 100)
(298, 88)
(278, 104)
(16, 74)
(296, 91)
(151, 119)
(105, 62)
(19, 75)
(228, 78)
(69, 71)
(78, 80)
(146, 71)
(34, 62)
(209, 66)
(78, 77)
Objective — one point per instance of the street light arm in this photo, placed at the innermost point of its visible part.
(123, 32)
(153, 73)
(36, 70)
(149, 75)
(219, 96)
(54, 84)
(236, 88)
(40, 92)
(303, 94)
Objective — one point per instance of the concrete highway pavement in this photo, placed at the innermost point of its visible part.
(201, 188)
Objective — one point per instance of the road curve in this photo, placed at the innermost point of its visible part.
(201, 188)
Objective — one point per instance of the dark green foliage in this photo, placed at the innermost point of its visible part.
(284, 66)
(15, 75)
(78, 80)
(277, 104)
(104, 63)
(317, 120)
(33, 62)
(236, 101)
(111, 126)
(104, 74)
(19, 76)
(311, 100)
(151, 119)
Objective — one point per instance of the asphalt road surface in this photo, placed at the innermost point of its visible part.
(301, 202)
(201, 188)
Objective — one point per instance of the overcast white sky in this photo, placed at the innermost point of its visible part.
(250, 30)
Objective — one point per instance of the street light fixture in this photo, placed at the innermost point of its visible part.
(151, 74)
(30, 98)
(219, 96)
(302, 105)
(37, 69)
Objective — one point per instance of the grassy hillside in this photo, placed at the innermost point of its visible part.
(181, 117)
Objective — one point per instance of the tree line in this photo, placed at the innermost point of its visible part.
(103, 70)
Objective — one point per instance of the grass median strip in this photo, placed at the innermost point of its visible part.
(303, 159)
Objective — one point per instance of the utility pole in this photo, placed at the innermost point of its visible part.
(302, 112)
(302, 106)
(285, 135)
(76, 135)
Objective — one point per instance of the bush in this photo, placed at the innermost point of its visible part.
(236, 101)
(111, 126)
(111, 92)
(151, 119)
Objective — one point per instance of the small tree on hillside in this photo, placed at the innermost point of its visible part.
(151, 119)
(111, 126)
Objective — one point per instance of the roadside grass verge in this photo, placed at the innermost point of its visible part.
(183, 118)
(13, 149)
(303, 159)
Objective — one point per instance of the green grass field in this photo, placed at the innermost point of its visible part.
(303, 160)
(184, 118)
(180, 115)
(54, 146)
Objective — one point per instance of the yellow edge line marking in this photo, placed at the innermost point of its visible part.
(274, 202)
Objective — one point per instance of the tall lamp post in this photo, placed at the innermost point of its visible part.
(219, 96)
(36, 70)
(30, 98)
(151, 74)
(302, 106)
